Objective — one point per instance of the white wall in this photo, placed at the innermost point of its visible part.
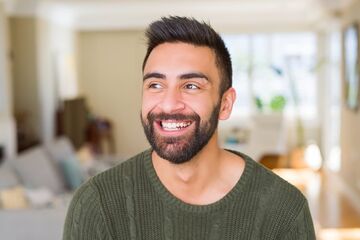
(37, 45)
(53, 42)
(5, 96)
(64, 59)
(110, 78)
(46, 81)
(7, 128)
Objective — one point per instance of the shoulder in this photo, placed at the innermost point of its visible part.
(274, 195)
(101, 198)
(277, 192)
(269, 185)
(285, 206)
(109, 180)
(280, 206)
(264, 183)
(84, 211)
(85, 201)
(119, 173)
(113, 185)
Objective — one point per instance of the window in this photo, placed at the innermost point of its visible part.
(269, 65)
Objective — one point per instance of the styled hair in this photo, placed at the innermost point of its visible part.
(189, 30)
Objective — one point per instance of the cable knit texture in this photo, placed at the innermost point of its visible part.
(129, 202)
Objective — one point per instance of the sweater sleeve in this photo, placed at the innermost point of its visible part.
(85, 219)
(302, 227)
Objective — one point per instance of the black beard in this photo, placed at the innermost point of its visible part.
(181, 149)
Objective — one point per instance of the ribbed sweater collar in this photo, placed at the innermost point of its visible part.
(173, 202)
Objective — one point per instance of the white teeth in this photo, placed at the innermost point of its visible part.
(174, 125)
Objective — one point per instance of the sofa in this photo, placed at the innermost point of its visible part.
(36, 188)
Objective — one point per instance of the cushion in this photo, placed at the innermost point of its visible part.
(40, 197)
(72, 172)
(13, 198)
(36, 170)
(60, 149)
(8, 177)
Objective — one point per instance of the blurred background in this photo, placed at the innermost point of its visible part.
(70, 95)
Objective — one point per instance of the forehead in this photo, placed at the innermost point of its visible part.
(181, 56)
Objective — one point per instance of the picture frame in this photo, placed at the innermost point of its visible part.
(351, 66)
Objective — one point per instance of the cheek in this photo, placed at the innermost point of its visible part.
(202, 107)
(147, 105)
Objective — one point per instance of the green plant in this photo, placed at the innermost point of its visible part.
(259, 103)
(277, 103)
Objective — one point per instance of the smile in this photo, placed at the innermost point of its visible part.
(169, 125)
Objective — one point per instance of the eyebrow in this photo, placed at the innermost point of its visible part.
(153, 75)
(182, 76)
(194, 75)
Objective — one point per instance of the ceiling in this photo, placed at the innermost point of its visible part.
(247, 15)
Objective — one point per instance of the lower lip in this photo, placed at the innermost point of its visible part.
(177, 132)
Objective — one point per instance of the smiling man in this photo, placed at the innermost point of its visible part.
(186, 186)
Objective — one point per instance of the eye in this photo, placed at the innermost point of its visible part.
(155, 86)
(191, 86)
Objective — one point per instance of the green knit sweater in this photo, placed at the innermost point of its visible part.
(129, 202)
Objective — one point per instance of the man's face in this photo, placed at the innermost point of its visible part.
(181, 102)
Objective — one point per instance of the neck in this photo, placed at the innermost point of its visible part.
(205, 179)
(197, 172)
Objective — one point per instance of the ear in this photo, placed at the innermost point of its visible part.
(227, 103)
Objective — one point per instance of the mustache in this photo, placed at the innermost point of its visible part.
(177, 116)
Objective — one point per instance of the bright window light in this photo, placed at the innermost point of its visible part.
(340, 234)
(269, 65)
(313, 156)
(334, 162)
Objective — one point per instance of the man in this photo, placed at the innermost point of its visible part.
(186, 186)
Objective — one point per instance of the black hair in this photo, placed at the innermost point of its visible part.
(189, 30)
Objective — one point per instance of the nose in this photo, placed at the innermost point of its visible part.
(172, 101)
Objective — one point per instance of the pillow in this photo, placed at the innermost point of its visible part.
(60, 149)
(13, 198)
(39, 197)
(37, 170)
(8, 177)
(72, 172)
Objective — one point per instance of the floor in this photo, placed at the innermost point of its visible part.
(335, 216)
